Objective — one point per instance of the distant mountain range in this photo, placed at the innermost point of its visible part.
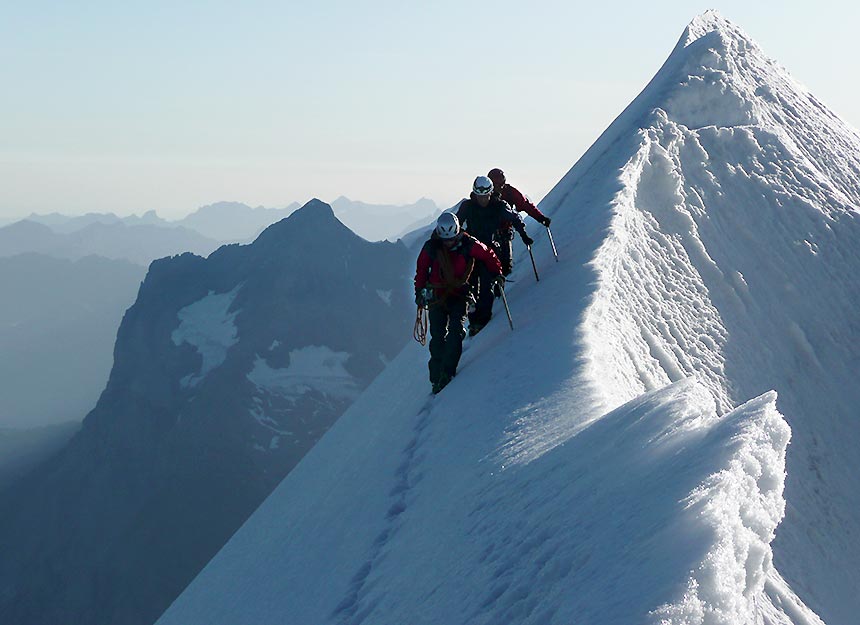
(66, 224)
(25, 248)
(375, 222)
(143, 238)
(232, 221)
(140, 244)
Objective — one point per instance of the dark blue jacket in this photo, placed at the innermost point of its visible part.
(482, 222)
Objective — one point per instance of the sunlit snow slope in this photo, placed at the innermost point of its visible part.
(619, 458)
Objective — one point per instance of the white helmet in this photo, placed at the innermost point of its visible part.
(447, 226)
(482, 186)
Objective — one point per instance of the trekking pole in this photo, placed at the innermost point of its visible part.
(537, 277)
(551, 242)
(505, 302)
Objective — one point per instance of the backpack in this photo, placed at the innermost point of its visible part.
(463, 248)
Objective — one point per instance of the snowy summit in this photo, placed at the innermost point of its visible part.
(623, 456)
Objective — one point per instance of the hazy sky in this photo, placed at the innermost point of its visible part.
(131, 106)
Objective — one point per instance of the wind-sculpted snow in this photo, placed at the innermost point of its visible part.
(622, 457)
(734, 514)
(732, 255)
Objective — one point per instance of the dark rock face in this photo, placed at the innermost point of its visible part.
(227, 370)
(23, 449)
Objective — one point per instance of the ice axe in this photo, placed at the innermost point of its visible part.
(552, 243)
(505, 302)
(537, 277)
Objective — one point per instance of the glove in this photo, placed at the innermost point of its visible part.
(424, 296)
(527, 239)
(498, 285)
(546, 221)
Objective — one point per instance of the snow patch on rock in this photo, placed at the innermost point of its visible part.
(312, 368)
(208, 326)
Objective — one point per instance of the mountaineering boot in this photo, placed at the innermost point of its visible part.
(474, 328)
(441, 383)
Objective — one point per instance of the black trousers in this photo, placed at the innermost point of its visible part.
(482, 286)
(505, 253)
(447, 330)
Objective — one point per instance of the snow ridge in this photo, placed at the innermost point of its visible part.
(730, 228)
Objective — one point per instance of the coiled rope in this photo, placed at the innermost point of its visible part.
(449, 286)
(419, 333)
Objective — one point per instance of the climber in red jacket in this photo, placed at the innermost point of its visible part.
(444, 267)
(518, 202)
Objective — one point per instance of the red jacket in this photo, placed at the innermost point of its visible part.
(518, 201)
(460, 257)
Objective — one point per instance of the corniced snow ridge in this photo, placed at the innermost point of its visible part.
(623, 456)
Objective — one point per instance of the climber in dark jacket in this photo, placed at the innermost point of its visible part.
(519, 203)
(444, 267)
(483, 216)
